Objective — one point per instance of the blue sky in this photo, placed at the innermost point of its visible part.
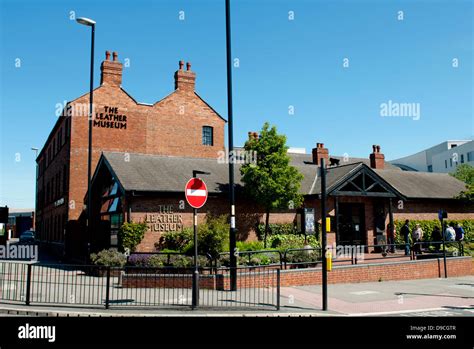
(282, 63)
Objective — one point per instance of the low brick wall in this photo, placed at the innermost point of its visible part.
(167, 281)
(403, 270)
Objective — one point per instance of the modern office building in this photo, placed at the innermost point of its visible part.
(443, 157)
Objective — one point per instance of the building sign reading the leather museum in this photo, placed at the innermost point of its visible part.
(110, 118)
(164, 220)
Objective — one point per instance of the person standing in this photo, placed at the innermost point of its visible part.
(405, 231)
(417, 236)
(436, 238)
(450, 233)
(391, 233)
(459, 232)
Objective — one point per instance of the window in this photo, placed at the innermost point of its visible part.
(462, 158)
(207, 136)
(66, 126)
(64, 226)
(60, 138)
(430, 168)
(58, 184)
(450, 162)
(445, 163)
(470, 156)
(65, 179)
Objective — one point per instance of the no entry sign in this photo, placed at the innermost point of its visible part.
(196, 192)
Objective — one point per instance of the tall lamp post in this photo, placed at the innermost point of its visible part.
(324, 270)
(90, 23)
(36, 186)
(232, 242)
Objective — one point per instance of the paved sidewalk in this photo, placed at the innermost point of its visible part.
(400, 298)
(384, 298)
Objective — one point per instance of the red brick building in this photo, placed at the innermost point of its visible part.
(364, 195)
(146, 153)
(120, 124)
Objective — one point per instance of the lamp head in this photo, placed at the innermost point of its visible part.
(85, 21)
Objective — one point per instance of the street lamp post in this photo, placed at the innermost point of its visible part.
(90, 23)
(232, 239)
(323, 235)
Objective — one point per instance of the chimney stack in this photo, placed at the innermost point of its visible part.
(184, 80)
(320, 153)
(253, 135)
(111, 71)
(377, 159)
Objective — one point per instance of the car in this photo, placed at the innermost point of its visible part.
(27, 237)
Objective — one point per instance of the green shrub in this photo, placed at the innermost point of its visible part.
(131, 234)
(213, 236)
(428, 226)
(284, 242)
(157, 261)
(180, 261)
(249, 245)
(109, 258)
(276, 229)
(175, 240)
(302, 257)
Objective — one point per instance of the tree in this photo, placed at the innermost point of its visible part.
(271, 182)
(465, 173)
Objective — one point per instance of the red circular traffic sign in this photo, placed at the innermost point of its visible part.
(196, 192)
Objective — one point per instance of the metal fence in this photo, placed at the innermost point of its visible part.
(109, 287)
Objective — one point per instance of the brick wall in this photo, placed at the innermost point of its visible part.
(406, 270)
(162, 128)
(248, 215)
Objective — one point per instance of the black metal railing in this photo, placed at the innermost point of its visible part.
(433, 249)
(135, 286)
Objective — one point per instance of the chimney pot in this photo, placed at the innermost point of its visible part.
(319, 153)
(111, 72)
(377, 159)
(184, 80)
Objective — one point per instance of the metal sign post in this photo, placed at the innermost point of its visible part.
(441, 215)
(196, 196)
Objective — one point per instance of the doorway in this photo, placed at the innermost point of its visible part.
(351, 224)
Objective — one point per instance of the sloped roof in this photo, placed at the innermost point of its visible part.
(167, 173)
(423, 184)
(157, 173)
